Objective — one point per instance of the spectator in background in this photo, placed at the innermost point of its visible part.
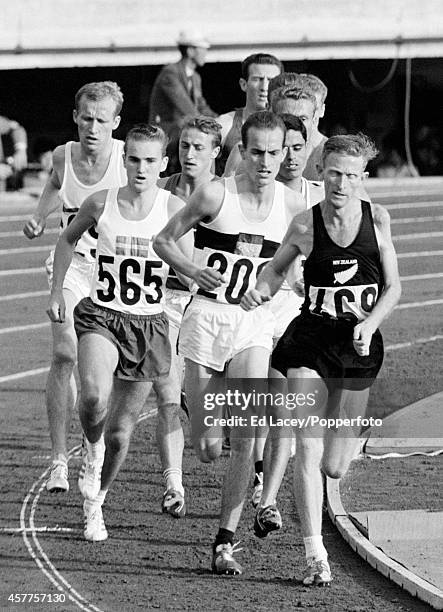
(12, 166)
(177, 92)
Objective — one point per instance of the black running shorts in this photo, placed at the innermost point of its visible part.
(142, 340)
(326, 346)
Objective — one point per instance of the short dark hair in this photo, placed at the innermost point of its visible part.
(355, 145)
(292, 122)
(291, 93)
(144, 131)
(259, 58)
(263, 120)
(207, 125)
(99, 91)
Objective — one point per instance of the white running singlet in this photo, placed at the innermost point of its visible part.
(129, 276)
(73, 193)
(237, 247)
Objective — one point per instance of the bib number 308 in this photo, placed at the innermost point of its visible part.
(130, 292)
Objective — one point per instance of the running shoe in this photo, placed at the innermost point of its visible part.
(58, 477)
(318, 573)
(173, 503)
(266, 520)
(223, 561)
(258, 490)
(95, 529)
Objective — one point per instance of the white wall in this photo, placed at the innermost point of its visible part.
(113, 32)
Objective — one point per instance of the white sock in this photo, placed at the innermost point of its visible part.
(96, 450)
(314, 548)
(60, 457)
(99, 500)
(173, 479)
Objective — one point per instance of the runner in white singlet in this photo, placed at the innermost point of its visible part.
(79, 169)
(240, 223)
(122, 327)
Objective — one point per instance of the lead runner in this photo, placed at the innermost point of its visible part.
(334, 347)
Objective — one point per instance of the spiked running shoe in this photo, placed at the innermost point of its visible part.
(173, 503)
(318, 573)
(58, 477)
(258, 490)
(223, 561)
(266, 520)
(95, 529)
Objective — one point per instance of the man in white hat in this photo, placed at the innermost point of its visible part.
(177, 91)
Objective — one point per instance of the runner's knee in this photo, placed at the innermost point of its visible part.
(64, 353)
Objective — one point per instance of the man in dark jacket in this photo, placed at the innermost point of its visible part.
(177, 92)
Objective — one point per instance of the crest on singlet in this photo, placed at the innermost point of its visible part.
(343, 282)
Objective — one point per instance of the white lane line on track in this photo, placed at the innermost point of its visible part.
(415, 277)
(45, 529)
(8, 218)
(39, 556)
(417, 236)
(50, 570)
(28, 249)
(20, 234)
(18, 328)
(21, 271)
(22, 296)
(416, 220)
(23, 374)
(400, 345)
(406, 205)
(420, 254)
(418, 304)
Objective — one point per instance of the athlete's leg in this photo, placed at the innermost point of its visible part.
(278, 443)
(308, 483)
(250, 363)
(97, 360)
(61, 391)
(169, 432)
(341, 444)
(202, 384)
(125, 405)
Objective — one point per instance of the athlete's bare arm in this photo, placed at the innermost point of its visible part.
(186, 242)
(392, 288)
(203, 205)
(49, 200)
(274, 273)
(87, 216)
(234, 162)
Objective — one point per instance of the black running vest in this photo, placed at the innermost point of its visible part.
(343, 282)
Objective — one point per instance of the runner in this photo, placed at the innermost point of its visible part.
(239, 224)
(122, 329)
(285, 304)
(333, 350)
(257, 71)
(79, 169)
(199, 145)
